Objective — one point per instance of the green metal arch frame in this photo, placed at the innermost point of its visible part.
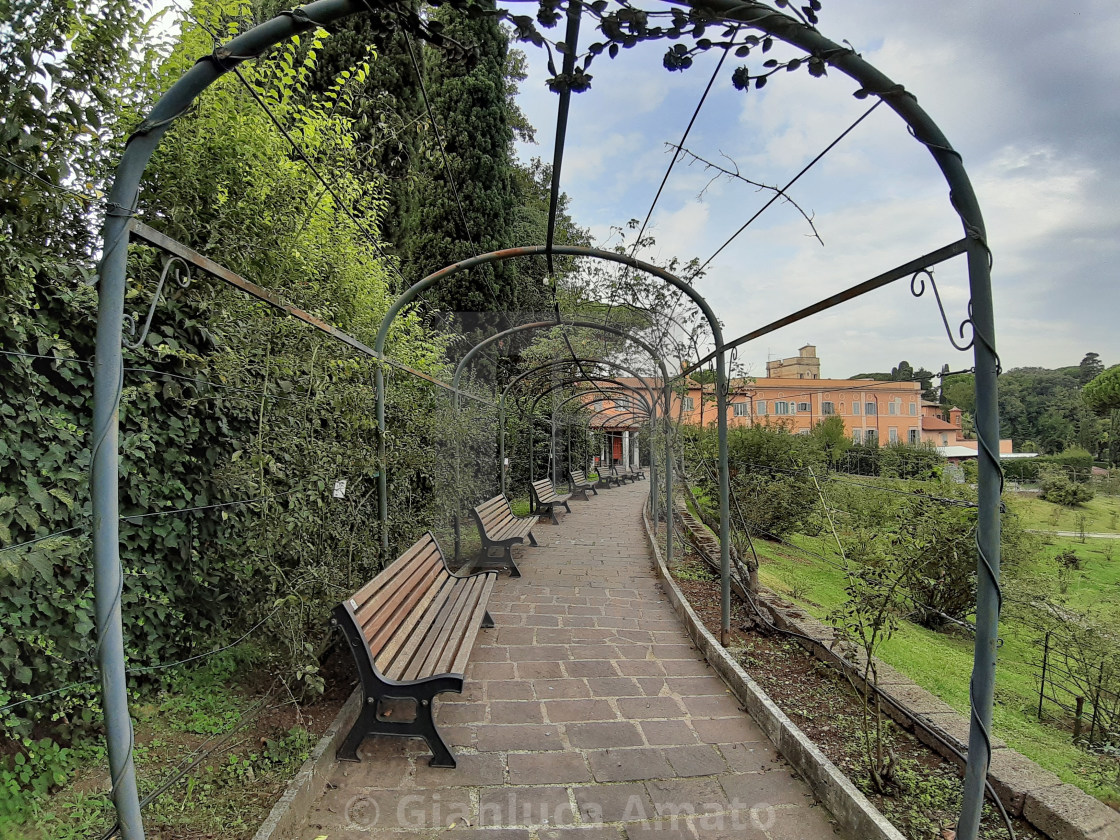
(638, 265)
(502, 401)
(481, 345)
(650, 413)
(108, 369)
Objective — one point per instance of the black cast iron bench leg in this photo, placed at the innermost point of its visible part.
(422, 726)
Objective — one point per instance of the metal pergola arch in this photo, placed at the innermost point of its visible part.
(536, 325)
(612, 391)
(108, 366)
(502, 399)
(648, 413)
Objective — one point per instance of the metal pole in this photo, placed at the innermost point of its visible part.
(108, 377)
(724, 502)
(108, 575)
(382, 467)
(668, 481)
(502, 440)
(1045, 660)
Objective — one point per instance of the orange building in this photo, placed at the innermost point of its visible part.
(873, 411)
(883, 412)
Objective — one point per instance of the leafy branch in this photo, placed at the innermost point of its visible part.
(735, 174)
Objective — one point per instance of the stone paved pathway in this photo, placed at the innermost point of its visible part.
(587, 715)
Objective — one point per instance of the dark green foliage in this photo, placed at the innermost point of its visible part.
(174, 434)
(468, 99)
(937, 544)
(769, 474)
(905, 372)
(895, 460)
(910, 461)
(1076, 464)
(1045, 406)
(1091, 366)
(832, 439)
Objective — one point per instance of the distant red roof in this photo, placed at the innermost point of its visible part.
(936, 424)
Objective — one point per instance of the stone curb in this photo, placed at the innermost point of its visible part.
(1060, 811)
(288, 815)
(845, 802)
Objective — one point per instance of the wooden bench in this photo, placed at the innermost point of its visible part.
(579, 485)
(608, 478)
(632, 474)
(622, 475)
(411, 630)
(499, 528)
(544, 499)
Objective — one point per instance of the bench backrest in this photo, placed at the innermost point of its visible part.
(578, 477)
(494, 514)
(388, 608)
(544, 490)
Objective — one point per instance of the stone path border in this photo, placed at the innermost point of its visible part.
(852, 809)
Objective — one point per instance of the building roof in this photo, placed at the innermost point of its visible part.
(956, 452)
(936, 424)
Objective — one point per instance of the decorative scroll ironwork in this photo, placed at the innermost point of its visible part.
(918, 288)
(183, 279)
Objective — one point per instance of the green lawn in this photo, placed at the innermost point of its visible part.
(942, 662)
(1099, 515)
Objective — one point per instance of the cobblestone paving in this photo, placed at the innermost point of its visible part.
(586, 715)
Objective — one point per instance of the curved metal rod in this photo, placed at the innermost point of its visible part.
(565, 383)
(918, 288)
(963, 199)
(108, 367)
(649, 413)
(130, 322)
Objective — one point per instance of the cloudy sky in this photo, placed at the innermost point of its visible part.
(1027, 92)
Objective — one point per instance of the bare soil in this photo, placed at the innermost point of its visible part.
(924, 797)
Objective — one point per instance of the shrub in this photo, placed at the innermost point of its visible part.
(913, 461)
(1058, 488)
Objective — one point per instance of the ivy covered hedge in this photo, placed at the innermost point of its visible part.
(235, 420)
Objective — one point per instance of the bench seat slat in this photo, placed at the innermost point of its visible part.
(439, 633)
(449, 650)
(382, 619)
(459, 665)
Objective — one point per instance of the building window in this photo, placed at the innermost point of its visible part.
(740, 409)
(857, 435)
(828, 408)
(803, 431)
(597, 405)
(804, 407)
(781, 407)
(871, 437)
(913, 434)
(892, 434)
(944, 440)
(689, 404)
(913, 409)
(855, 409)
(792, 407)
(870, 409)
(760, 408)
(621, 404)
(892, 407)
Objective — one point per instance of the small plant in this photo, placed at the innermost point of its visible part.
(876, 597)
(35, 770)
(1068, 559)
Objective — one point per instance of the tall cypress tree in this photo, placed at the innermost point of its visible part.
(468, 98)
